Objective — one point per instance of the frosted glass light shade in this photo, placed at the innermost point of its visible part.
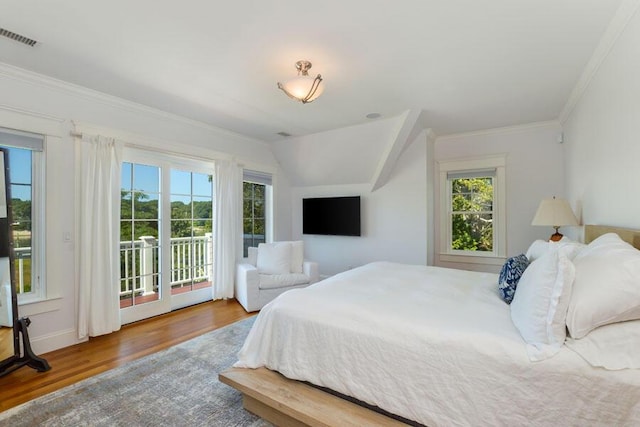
(303, 88)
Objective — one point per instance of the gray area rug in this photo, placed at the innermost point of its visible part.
(175, 387)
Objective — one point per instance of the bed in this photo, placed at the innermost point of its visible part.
(433, 346)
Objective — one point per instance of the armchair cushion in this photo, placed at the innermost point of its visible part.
(271, 281)
(274, 258)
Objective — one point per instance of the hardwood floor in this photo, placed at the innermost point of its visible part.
(6, 342)
(72, 364)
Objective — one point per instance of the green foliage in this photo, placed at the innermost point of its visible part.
(472, 217)
(182, 224)
(139, 215)
(253, 208)
(26, 272)
(145, 208)
(21, 214)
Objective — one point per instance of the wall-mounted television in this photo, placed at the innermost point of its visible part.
(335, 216)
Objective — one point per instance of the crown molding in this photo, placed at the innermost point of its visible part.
(550, 124)
(41, 80)
(31, 113)
(625, 12)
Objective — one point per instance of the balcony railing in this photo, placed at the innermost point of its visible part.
(22, 257)
(191, 262)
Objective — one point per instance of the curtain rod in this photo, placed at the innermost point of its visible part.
(157, 150)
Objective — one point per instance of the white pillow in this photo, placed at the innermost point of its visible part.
(539, 307)
(537, 249)
(570, 248)
(607, 285)
(297, 256)
(540, 247)
(612, 347)
(274, 258)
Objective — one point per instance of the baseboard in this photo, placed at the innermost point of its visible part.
(55, 341)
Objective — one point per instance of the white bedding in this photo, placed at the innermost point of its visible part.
(433, 345)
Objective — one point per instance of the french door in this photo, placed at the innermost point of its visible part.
(166, 239)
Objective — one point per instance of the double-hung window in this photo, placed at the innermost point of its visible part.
(472, 208)
(26, 168)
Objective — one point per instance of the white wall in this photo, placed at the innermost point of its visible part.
(281, 207)
(394, 221)
(534, 171)
(347, 155)
(35, 103)
(602, 137)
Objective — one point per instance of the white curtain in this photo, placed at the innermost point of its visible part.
(99, 262)
(228, 227)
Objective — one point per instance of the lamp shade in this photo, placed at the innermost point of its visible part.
(303, 88)
(554, 212)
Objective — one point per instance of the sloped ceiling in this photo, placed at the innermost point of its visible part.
(342, 156)
(466, 64)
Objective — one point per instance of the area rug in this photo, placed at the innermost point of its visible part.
(175, 387)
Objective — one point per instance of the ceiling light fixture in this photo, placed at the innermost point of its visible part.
(304, 88)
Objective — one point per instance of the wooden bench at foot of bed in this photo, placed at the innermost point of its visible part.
(286, 402)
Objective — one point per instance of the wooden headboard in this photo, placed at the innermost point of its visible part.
(627, 234)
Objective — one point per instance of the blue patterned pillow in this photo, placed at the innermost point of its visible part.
(510, 275)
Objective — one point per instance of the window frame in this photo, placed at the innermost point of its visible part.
(471, 165)
(38, 221)
(265, 179)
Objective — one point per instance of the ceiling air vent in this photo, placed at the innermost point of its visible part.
(17, 37)
(284, 134)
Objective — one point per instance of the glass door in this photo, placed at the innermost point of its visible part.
(191, 237)
(166, 234)
(142, 293)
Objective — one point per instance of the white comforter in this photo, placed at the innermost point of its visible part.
(435, 346)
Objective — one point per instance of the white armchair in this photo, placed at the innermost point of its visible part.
(271, 269)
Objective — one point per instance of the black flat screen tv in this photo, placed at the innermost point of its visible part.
(334, 216)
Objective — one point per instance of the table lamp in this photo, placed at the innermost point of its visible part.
(555, 213)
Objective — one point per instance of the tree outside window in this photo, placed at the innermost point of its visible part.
(472, 214)
(254, 204)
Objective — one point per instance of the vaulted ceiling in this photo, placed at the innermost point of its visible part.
(466, 64)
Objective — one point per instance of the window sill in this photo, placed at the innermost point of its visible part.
(473, 259)
(32, 308)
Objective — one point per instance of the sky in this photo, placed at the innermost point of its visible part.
(20, 173)
(147, 179)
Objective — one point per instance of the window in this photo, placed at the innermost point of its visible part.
(472, 207)
(257, 190)
(27, 227)
(472, 214)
